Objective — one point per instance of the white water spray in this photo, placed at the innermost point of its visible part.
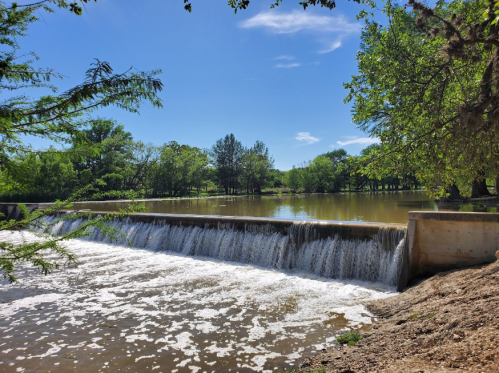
(376, 260)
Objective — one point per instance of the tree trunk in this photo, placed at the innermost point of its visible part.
(496, 184)
(454, 193)
(479, 188)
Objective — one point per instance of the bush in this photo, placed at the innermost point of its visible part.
(349, 339)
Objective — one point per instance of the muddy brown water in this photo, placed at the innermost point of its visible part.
(386, 207)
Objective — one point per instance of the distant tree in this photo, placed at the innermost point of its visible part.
(143, 157)
(227, 156)
(321, 166)
(337, 156)
(294, 179)
(308, 177)
(198, 170)
(256, 167)
(103, 151)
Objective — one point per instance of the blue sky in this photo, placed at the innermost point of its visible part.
(273, 75)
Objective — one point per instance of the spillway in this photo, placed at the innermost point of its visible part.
(335, 250)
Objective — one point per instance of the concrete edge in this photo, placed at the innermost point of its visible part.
(479, 217)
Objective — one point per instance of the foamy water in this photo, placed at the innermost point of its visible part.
(133, 310)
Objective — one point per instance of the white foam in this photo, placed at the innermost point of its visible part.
(176, 303)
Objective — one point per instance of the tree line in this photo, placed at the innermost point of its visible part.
(130, 168)
(133, 169)
(336, 171)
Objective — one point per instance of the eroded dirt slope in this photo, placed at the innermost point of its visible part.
(448, 323)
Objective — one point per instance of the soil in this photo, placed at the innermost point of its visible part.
(447, 323)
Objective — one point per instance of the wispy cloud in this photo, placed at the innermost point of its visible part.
(358, 140)
(287, 65)
(334, 45)
(326, 27)
(285, 23)
(306, 138)
(284, 57)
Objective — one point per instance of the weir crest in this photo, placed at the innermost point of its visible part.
(304, 247)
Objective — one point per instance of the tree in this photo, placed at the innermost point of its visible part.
(322, 168)
(294, 179)
(428, 88)
(226, 156)
(62, 117)
(107, 155)
(256, 166)
(198, 171)
(58, 117)
(143, 157)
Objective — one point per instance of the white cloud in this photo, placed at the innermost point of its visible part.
(285, 23)
(335, 45)
(329, 30)
(306, 137)
(287, 65)
(358, 140)
(285, 57)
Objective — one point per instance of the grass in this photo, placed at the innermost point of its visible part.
(349, 339)
(414, 315)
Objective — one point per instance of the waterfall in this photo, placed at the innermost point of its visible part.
(377, 259)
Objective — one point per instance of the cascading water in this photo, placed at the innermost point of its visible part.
(376, 260)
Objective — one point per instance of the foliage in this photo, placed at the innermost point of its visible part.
(227, 155)
(337, 171)
(428, 89)
(178, 168)
(238, 167)
(349, 339)
(37, 252)
(57, 117)
(63, 118)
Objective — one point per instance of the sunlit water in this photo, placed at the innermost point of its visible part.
(134, 310)
(386, 207)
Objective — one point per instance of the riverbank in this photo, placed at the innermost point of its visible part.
(447, 323)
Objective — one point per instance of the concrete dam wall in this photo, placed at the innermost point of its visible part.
(368, 252)
(389, 253)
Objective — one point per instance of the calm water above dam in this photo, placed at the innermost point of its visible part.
(387, 207)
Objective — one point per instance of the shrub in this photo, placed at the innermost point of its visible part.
(349, 339)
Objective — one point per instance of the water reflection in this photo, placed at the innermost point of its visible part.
(387, 207)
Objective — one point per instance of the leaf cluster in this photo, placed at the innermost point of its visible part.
(37, 253)
(57, 117)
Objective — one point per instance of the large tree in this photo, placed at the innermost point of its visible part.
(427, 87)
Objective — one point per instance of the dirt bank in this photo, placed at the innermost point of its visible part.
(448, 323)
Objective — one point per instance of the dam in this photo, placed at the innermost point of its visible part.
(393, 254)
(189, 293)
(339, 250)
